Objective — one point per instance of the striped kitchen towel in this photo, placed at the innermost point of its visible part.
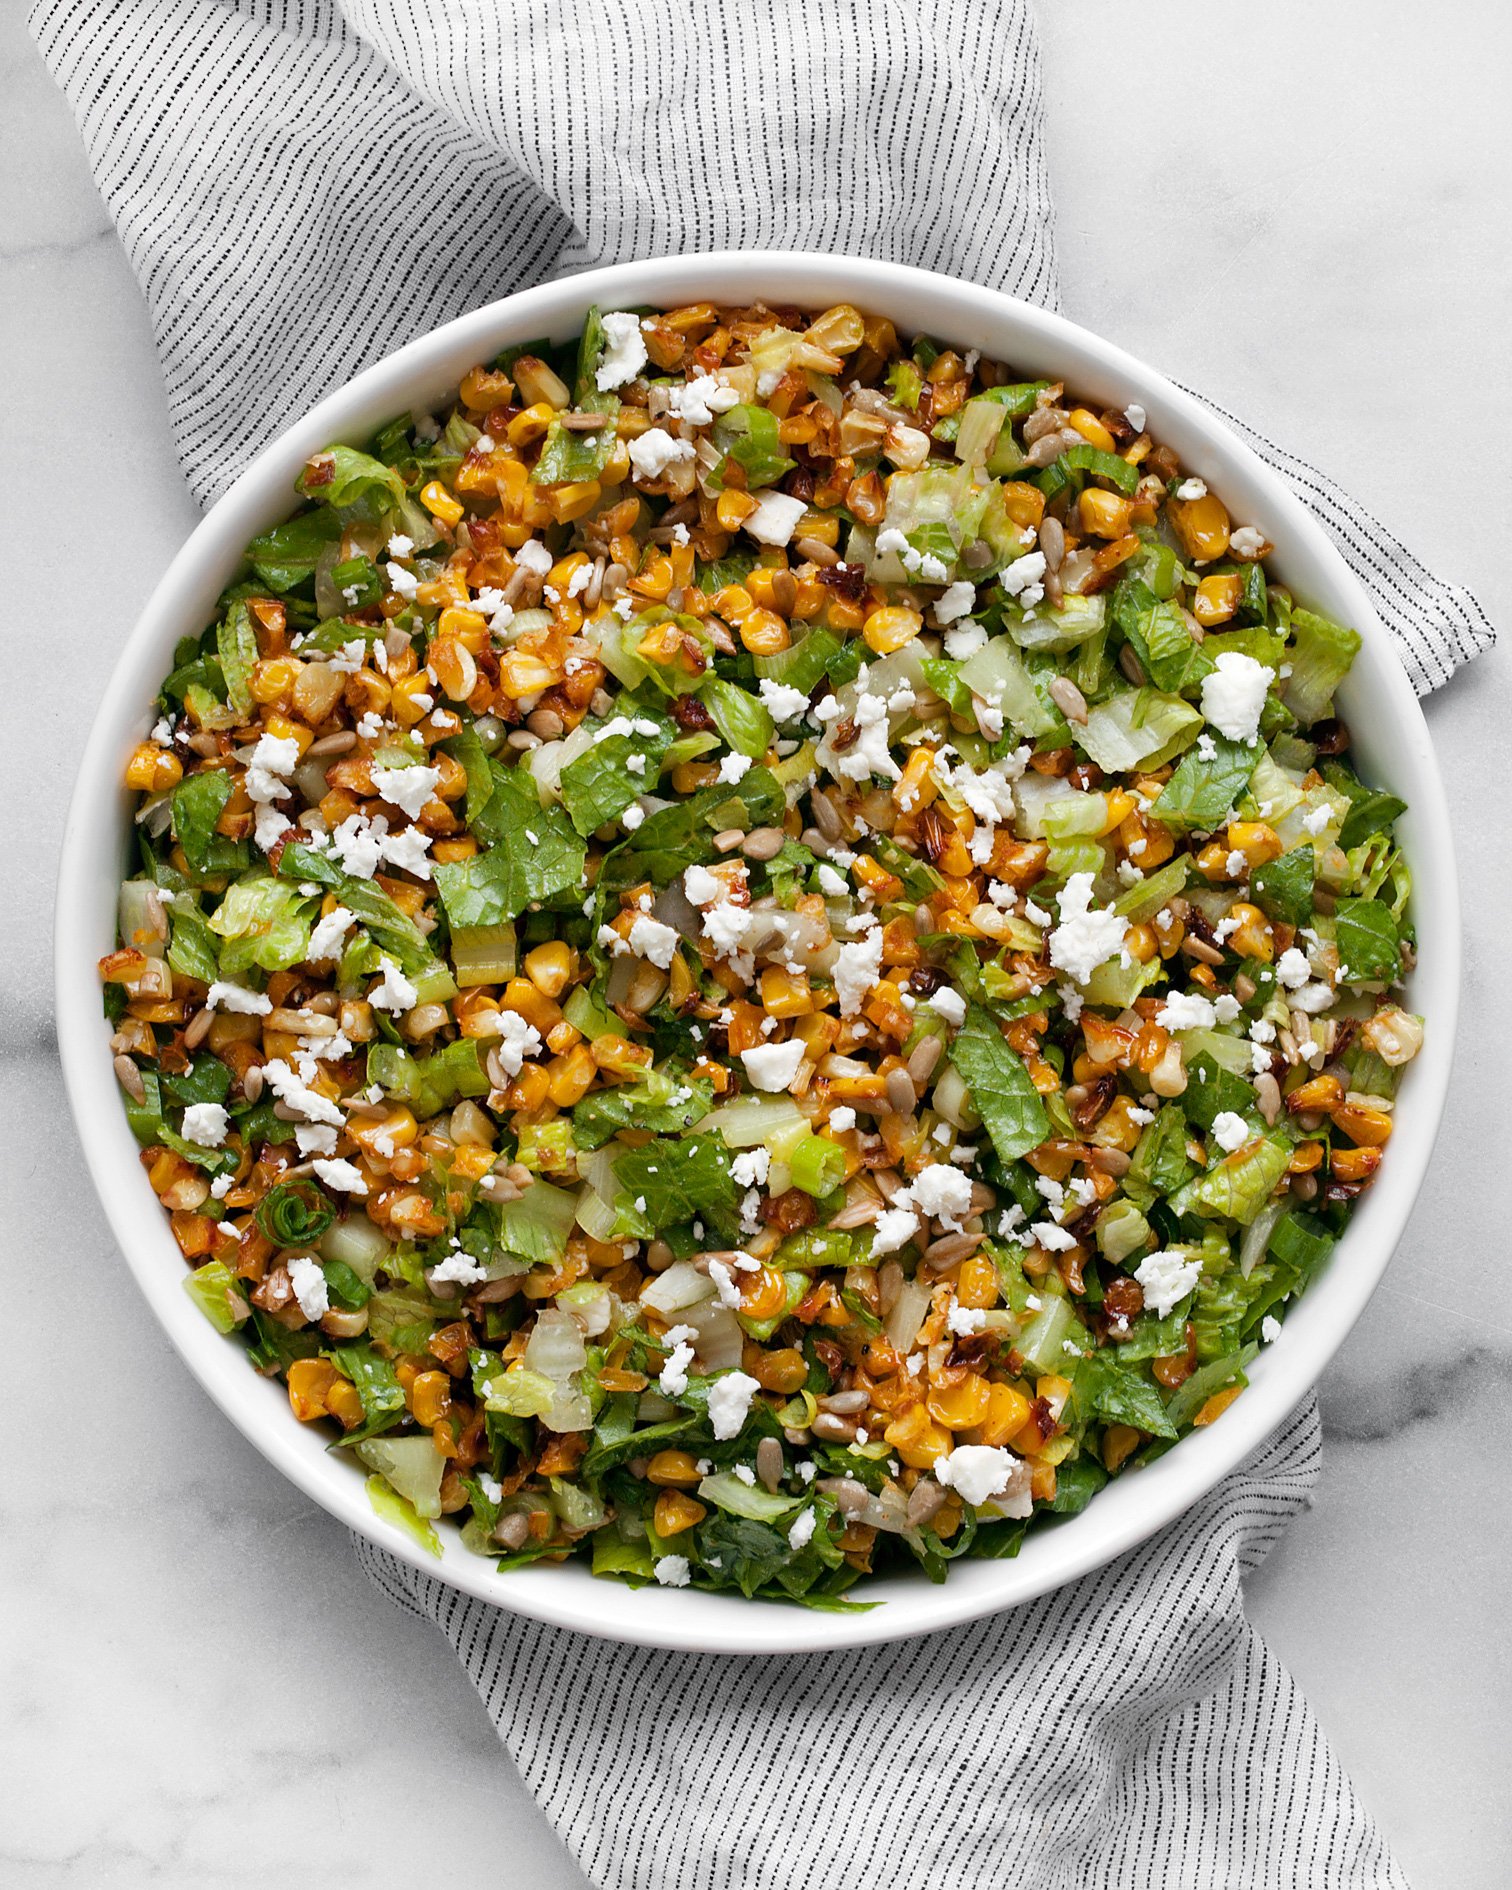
(301, 185)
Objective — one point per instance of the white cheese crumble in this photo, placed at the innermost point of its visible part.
(783, 704)
(842, 1119)
(624, 354)
(1230, 1131)
(394, 992)
(734, 768)
(1270, 1328)
(1084, 939)
(773, 1066)
(407, 788)
(1190, 489)
(958, 601)
(976, 1472)
(949, 1004)
(653, 451)
(1292, 968)
(802, 1531)
(1135, 415)
(341, 1175)
(1167, 1278)
(325, 939)
(1246, 541)
(309, 1285)
(730, 1398)
(701, 399)
(672, 1571)
(857, 967)
(653, 941)
(517, 1041)
(1233, 694)
(674, 1374)
(205, 1124)
(1187, 1010)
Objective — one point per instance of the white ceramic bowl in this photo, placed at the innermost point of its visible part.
(1391, 742)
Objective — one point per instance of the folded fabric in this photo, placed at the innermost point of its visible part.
(301, 186)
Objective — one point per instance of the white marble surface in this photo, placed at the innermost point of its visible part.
(1301, 210)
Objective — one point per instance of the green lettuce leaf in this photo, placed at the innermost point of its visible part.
(679, 1180)
(286, 556)
(1001, 1088)
(599, 785)
(1203, 789)
(537, 854)
(1368, 942)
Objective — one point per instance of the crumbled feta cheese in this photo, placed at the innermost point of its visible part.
(672, 1571)
(1021, 579)
(1190, 489)
(325, 939)
(1085, 938)
(1135, 415)
(674, 1374)
(1233, 694)
(394, 991)
(403, 583)
(1270, 1328)
(303, 1100)
(309, 1285)
(653, 941)
(274, 757)
(400, 546)
(1167, 1278)
(959, 601)
(653, 451)
(832, 884)
(1187, 1010)
(407, 788)
(533, 557)
(750, 1167)
(342, 1176)
(773, 1066)
(775, 518)
(517, 1041)
(1053, 1238)
(1245, 541)
(205, 1124)
(1230, 1131)
(1293, 969)
(802, 1532)
(727, 1292)
(962, 1320)
(632, 817)
(842, 1119)
(623, 358)
(783, 703)
(857, 967)
(701, 399)
(949, 1004)
(316, 1138)
(894, 1228)
(733, 768)
(941, 1192)
(976, 1472)
(730, 1398)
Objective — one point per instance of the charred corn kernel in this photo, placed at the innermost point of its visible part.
(271, 681)
(550, 967)
(1215, 1406)
(1103, 514)
(785, 1370)
(1007, 1413)
(960, 1406)
(918, 1439)
(472, 1163)
(675, 1513)
(1119, 1441)
(152, 769)
(1306, 1156)
(1253, 937)
(1258, 842)
(1354, 1164)
(785, 993)
(526, 999)
(1042, 1483)
(521, 673)
(761, 583)
(429, 1397)
(733, 508)
(411, 700)
(530, 424)
(452, 666)
(483, 389)
(1213, 861)
(822, 527)
(344, 1403)
(381, 1135)
(1024, 504)
(763, 1294)
(289, 731)
(1202, 525)
(890, 628)
(1319, 1093)
(917, 788)
(440, 503)
(310, 1382)
(673, 1470)
(1141, 943)
(977, 1282)
(1217, 598)
(764, 633)
(1091, 429)
(1362, 1123)
(875, 877)
(451, 783)
(528, 1091)
(574, 499)
(570, 1076)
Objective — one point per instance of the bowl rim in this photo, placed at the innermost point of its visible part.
(689, 1619)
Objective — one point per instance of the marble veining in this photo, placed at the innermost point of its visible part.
(198, 1686)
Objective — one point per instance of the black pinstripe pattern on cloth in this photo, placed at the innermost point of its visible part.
(302, 185)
